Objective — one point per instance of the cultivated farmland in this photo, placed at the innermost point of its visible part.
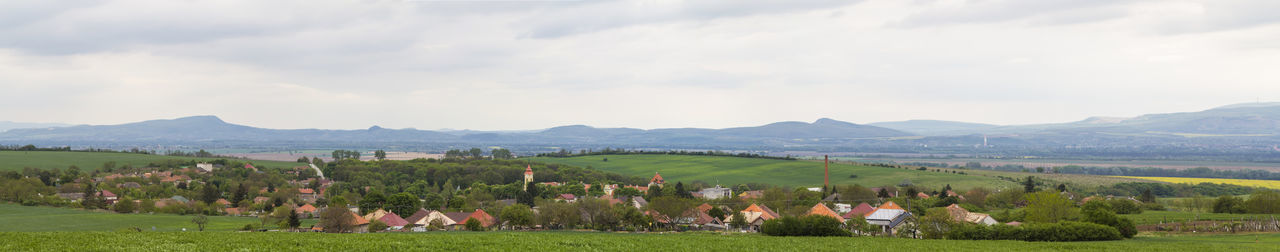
(735, 170)
(1273, 184)
(16, 160)
(45, 219)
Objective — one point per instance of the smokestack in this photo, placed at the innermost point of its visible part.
(826, 171)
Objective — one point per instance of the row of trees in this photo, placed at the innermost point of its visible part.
(620, 151)
(1261, 202)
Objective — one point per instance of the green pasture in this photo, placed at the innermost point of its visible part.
(17, 218)
(16, 160)
(1156, 217)
(735, 170)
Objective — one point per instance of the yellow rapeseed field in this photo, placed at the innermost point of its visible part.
(1273, 184)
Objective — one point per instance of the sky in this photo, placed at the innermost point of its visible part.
(530, 64)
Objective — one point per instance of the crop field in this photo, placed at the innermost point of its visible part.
(16, 160)
(1156, 217)
(583, 241)
(45, 219)
(1273, 184)
(735, 170)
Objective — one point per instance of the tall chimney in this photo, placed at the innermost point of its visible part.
(826, 171)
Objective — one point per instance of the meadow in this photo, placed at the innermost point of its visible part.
(735, 170)
(1156, 217)
(44, 219)
(1273, 184)
(16, 160)
(583, 241)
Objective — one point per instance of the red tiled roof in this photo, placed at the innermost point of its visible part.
(657, 179)
(704, 207)
(306, 191)
(393, 220)
(860, 210)
(358, 220)
(485, 219)
(106, 193)
(820, 209)
(528, 170)
(305, 209)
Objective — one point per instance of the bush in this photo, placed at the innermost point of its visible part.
(1056, 232)
(1124, 206)
(1228, 204)
(1100, 213)
(474, 225)
(810, 225)
(377, 226)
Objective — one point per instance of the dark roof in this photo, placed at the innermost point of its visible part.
(458, 217)
(422, 213)
(832, 197)
(393, 220)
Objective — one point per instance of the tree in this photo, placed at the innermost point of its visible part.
(671, 206)
(293, 221)
(1228, 204)
(92, 198)
(1147, 196)
(372, 201)
(1100, 212)
(681, 192)
(240, 194)
(403, 204)
(517, 215)
(209, 193)
(124, 205)
(337, 220)
(1263, 202)
(377, 226)
(717, 213)
(911, 192)
(859, 226)
(654, 191)
(433, 201)
(380, 154)
(1062, 187)
(1029, 185)
(476, 153)
(200, 220)
(1049, 207)
(935, 223)
(502, 154)
(739, 221)
(883, 193)
(473, 225)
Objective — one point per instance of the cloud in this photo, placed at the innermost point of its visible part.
(1042, 12)
(604, 15)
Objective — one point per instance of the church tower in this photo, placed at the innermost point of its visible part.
(528, 176)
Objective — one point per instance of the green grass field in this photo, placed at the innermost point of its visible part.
(16, 218)
(582, 241)
(16, 160)
(735, 170)
(1155, 217)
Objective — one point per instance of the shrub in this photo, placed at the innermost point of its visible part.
(1057, 232)
(1228, 204)
(1100, 213)
(377, 226)
(1124, 206)
(810, 225)
(474, 225)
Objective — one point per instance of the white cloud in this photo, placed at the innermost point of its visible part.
(647, 64)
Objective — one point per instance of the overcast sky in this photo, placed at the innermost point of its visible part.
(528, 64)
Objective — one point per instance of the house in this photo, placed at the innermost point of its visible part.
(108, 197)
(755, 215)
(377, 214)
(889, 216)
(456, 220)
(72, 196)
(306, 210)
(260, 200)
(232, 211)
(485, 219)
(567, 197)
(860, 210)
(361, 224)
(959, 214)
(657, 180)
(954, 194)
(716, 192)
(699, 219)
(422, 219)
(704, 207)
(204, 167)
(133, 185)
(307, 194)
(393, 221)
(222, 202)
(822, 209)
(639, 202)
(834, 197)
(922, 195)
(180, 199)
(751, 194)
(842, 208)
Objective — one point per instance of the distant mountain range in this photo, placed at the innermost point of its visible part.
(1249, 119)
(7, 125)
(1243, 128)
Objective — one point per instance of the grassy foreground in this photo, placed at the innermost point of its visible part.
(581, 241)
(735, 170)
(44, 219)
(16, 160)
